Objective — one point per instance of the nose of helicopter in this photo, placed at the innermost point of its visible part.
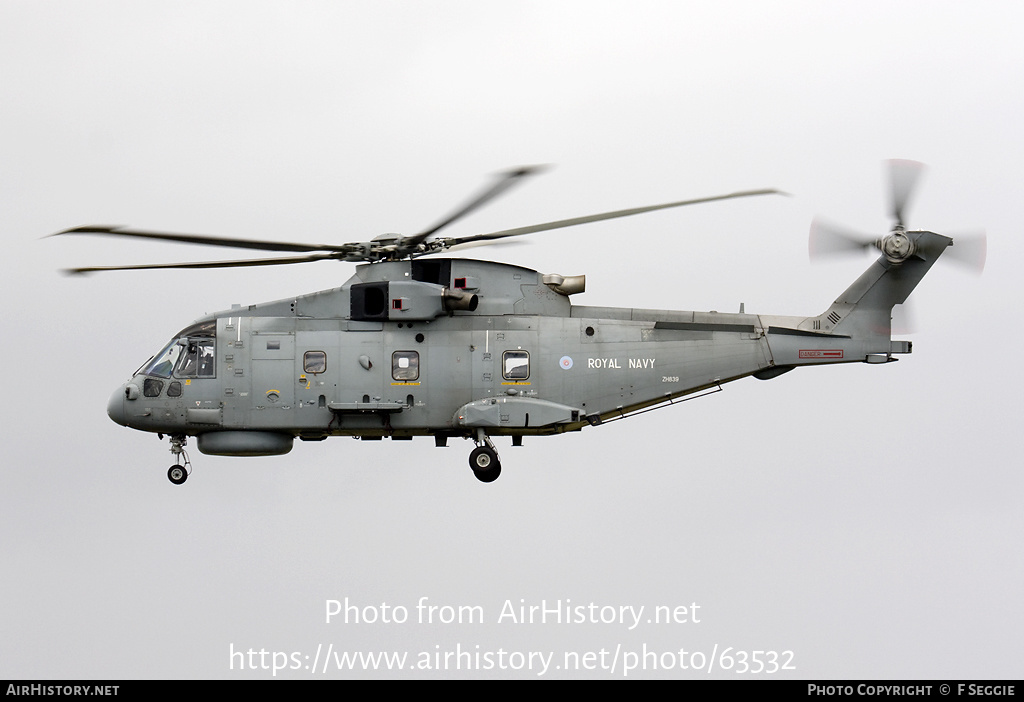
(115, 407)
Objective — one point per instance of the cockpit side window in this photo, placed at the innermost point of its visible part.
(197, 359)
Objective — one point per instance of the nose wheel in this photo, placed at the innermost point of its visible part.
(484, 459)
(178, 473)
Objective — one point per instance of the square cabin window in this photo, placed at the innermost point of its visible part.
(314, 361)
(405, 365)
(515, 365)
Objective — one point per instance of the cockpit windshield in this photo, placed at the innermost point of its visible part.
(189, 355)
(163, 363)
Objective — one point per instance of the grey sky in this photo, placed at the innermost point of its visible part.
(865, 518)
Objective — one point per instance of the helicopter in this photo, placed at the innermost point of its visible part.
(420, 345)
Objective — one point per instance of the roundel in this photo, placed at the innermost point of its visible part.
(565, 362)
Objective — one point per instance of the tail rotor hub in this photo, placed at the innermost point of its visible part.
(896, 246)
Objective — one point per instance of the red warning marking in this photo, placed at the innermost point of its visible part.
(821, 353)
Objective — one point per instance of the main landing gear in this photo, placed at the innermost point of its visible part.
(178, 473)
(484, 459)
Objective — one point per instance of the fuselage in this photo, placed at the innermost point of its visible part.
(446, 348)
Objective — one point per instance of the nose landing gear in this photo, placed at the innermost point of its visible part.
(178, 473)
(484, 459)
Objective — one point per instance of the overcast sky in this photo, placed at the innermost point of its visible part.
(866, 519)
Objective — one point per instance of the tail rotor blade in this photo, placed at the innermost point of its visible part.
(830, 239)
(903, 319)
(903, 178)
(969, 251)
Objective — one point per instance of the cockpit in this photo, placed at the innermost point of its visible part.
(190, 354)
(152, 399)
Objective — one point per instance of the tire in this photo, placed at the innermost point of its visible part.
(177, 474)
(483, 459)
(489, 475)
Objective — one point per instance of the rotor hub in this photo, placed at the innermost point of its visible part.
(896, 246)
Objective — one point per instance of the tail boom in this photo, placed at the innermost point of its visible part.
(857, 327)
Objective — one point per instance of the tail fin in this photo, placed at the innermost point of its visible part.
(864, 310)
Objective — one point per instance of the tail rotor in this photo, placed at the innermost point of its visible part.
(828, 239)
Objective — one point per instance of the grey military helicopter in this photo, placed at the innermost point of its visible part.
(414, 344)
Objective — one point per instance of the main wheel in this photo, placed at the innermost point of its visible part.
(489, 475)
(177, 474)
(485, 464)
(482, 458)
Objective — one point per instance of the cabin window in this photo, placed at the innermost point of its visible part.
(314, 362)
(405, 365)
(515, 365)
(197, 360)
(151, 387)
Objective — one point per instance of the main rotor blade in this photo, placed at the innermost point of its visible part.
(903, 177)
(201, 239)
(505, 181)
(559, 224)
(243, 263)
(492, 244)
